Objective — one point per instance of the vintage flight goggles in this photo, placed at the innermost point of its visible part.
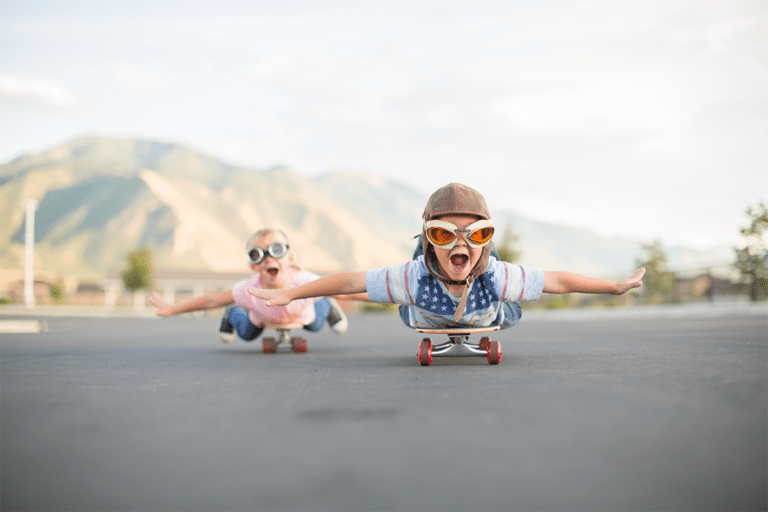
(444, 235)
(276, 249)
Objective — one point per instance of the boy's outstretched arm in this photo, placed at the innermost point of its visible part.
(354, 296)
(566, 282)
(342, 283)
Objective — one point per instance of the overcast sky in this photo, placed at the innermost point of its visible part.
(641, 118)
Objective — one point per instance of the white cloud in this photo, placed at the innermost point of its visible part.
(26, 88)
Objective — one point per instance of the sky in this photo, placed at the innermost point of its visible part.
(643, 119)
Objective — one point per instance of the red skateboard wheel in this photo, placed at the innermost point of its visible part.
(269, 345)
(494, 352)
(425, 352)
(299, 345)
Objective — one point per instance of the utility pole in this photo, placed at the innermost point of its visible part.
(29, 255)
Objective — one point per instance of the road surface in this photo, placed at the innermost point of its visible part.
(604, 413)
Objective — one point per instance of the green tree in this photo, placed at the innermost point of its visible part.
(752, 258)
(659, 281)
(507, 244)
(139, 273)
(57, 291)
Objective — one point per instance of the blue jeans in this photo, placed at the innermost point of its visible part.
(238, 317)
(509, 314)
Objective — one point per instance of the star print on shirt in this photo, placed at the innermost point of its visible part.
(432, 297)
(481, 296)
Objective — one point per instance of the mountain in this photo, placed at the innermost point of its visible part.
(101, 198)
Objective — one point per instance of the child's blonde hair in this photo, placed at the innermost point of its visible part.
(264, 232)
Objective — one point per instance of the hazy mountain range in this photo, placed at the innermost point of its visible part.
(101, 198)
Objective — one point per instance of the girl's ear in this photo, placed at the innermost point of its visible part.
(292, 261)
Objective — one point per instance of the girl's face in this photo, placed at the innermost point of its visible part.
(275, 273)
(457, 262)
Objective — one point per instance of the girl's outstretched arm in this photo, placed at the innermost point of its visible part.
(342, 283)
(566, 282)
(207, 301)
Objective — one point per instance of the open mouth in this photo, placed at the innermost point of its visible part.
(459, 262)
(273, 271)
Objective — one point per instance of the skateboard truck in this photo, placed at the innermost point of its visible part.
(457, 347)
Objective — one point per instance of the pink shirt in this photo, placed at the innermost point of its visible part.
(301, 311)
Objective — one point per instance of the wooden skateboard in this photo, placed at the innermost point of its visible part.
(269, 344)
(458, 346)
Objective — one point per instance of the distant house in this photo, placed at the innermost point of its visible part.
(704, 287)
(88, 294)
(42, 292)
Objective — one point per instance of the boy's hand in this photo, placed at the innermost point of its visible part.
(163, 308)
(633, 282)
(277, 297)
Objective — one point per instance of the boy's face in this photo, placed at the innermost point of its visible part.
(457, 263)
(274, 273)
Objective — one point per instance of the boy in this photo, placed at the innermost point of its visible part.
(456, 282)
(273, 264)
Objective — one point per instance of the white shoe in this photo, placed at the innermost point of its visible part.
(336, 318)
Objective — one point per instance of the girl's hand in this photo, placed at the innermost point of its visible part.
(163, 308)
(277, 297)
(633, 282)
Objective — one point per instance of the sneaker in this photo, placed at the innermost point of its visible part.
(226, 330)
(336, 318)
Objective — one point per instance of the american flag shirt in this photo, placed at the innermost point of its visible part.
(433, 306)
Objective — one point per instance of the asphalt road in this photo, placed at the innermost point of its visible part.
(617, 413)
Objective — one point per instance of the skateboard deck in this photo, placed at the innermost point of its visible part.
(458, 349)
(270, 344)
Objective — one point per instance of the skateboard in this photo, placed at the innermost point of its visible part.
(269, 345)
(457, 345)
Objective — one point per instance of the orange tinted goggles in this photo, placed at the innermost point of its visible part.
(444, 235)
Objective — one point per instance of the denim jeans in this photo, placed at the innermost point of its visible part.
(509, 314)
(238, 317)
